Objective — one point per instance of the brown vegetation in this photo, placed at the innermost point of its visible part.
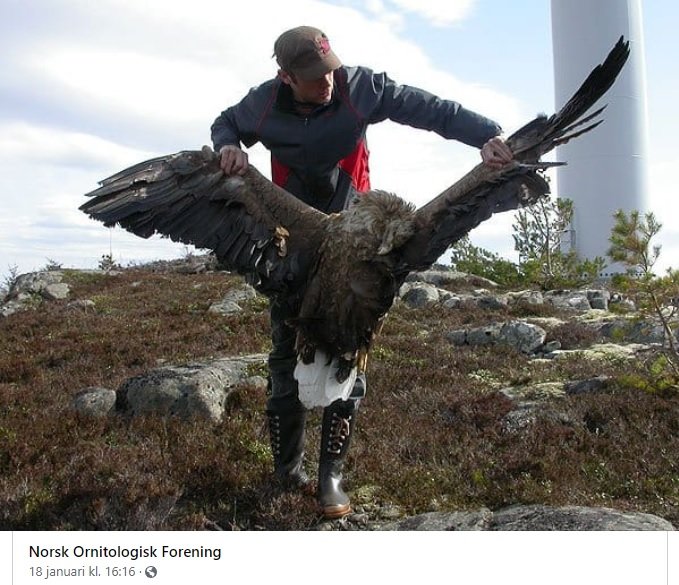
(430, 434)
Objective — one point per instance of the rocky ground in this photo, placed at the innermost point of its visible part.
(205, 389)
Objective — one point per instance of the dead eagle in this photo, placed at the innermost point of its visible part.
(341, 271)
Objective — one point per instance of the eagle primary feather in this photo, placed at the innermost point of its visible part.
(339, 272)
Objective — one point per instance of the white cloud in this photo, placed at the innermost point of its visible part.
(379, 11)
(438, 12)
(35, 146)
(97, 87)
(157, 88)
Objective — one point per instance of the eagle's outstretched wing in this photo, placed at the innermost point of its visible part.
(483, 191)
(253, 226)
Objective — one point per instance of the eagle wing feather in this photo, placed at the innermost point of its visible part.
(484, 191)
(253, 226)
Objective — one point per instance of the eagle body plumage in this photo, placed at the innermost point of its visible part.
(339, 313)
(340, 272)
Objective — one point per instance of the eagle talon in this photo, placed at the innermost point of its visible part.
(344, 368)
(307, 354)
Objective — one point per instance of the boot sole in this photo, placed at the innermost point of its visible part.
(336, 512)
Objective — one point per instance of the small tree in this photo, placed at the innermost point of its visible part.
(466, 257)
(9, 281)
(538, 231)
(108, 263)
(539, 228)
(631, 245)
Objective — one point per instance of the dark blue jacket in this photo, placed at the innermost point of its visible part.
(322, 158)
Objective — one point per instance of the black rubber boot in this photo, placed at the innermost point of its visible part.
(338, 424)
(287, 430)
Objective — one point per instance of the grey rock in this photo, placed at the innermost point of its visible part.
(421, 295)
(443, 277)
(484, 335)
(534, 518)
(547, 518)
(230, 303)
(225, 308)
(191, 268)
(566, 299)
(259, 382)
(646, 332)
(56, 291)
(531, 401)
(603, 351)
(405, 287)
(95, 401)
(445, 296)
(195, 390)
(457, 337)
(464, 298)
(390, 512)
(595, 318)
(438, 521)
(590, 386)
(546, 322)
(10, 307)
(529, 297)
(453, 302)
(238, 295)
(612, 327)
(526, 337)
(35, 282)
(598, 298)
(491, 302)
(551, 346)
(599, 304)
(535, 392)
(28, 287)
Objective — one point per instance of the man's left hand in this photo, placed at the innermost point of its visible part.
(495, 153)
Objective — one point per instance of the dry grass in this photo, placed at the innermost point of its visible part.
(430, 433)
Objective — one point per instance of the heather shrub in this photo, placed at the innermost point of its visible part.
(430, 434)
(573, 335)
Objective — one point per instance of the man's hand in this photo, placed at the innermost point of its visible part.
(495, 153)
(233, 160)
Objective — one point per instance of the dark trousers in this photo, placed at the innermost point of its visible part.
(283, 395)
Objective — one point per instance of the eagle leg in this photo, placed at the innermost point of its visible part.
(362, 360)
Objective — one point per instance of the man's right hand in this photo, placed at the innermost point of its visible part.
(495, 153)
(233, 160)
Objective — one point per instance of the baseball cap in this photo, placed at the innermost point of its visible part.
(305, 51)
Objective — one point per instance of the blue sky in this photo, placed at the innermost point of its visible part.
(88, 88)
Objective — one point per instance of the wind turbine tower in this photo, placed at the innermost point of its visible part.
(607, 168)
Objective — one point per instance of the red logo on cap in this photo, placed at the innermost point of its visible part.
(324, 45)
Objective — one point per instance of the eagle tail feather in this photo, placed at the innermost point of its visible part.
(317, 381)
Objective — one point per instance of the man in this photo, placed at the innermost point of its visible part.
(313, 119)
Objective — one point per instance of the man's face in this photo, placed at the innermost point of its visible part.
(316, 91)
